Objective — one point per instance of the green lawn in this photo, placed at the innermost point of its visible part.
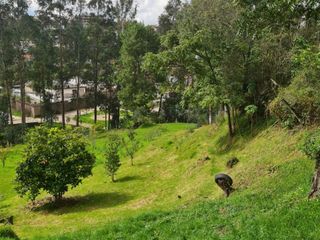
(272, 182)
(88, 118)
(16, 113)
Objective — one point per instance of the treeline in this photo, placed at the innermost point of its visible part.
(62, 40)
(241, 57)
(252, 58)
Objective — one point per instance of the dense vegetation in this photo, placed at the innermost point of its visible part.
(205, 56)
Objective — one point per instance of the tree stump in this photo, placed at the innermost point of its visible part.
(224, 182)
(315, 183)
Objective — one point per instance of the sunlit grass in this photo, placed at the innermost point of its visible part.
(272, 181)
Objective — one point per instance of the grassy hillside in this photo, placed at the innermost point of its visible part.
(272, 182)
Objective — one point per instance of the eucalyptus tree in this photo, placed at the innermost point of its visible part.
(57, 13)
(77, 38)
(21, 42)
(43, 65)
(101, 42)
(6, 54)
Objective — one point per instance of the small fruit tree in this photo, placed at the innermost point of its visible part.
(55, 159)
(311, 147)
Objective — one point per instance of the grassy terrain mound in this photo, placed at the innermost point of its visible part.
(272, 181)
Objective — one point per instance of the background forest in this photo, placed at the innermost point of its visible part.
(254, 58)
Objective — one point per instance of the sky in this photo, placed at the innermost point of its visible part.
(148, 10)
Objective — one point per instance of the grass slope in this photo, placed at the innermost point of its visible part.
(272, 181)
(153, 183)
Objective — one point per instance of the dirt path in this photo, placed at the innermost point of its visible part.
(69, 118)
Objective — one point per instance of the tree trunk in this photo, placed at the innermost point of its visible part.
(78, 82)
(234, 116)
(229, 121)
(78, 65)
(61, 77)
(78, 95)
(105, 120)
(95, 102)
(57, 197)
(112, 178)
(160, 105)
(9, 102)
(315, 181)
(62, 104)
(22, 94)
(96, 72)
(109, 123)
(210, 115)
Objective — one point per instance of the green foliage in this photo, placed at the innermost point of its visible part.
(311, 145)
(112, 157)
(12, 134)
(303, 93)
(55, 159)
(137, 90)
(7, 233)
(251, 110)
(132, 145)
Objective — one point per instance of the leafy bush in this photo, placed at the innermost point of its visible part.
(311, 145)
(54, 160)
(12, 135)
(7, 232)
(304, 99)
(299, 103)
(141, 116)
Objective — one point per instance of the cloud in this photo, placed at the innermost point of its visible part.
(150, 10)
(32, 7)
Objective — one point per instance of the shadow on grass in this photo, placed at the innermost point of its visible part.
(89, 202)
(128, 179)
